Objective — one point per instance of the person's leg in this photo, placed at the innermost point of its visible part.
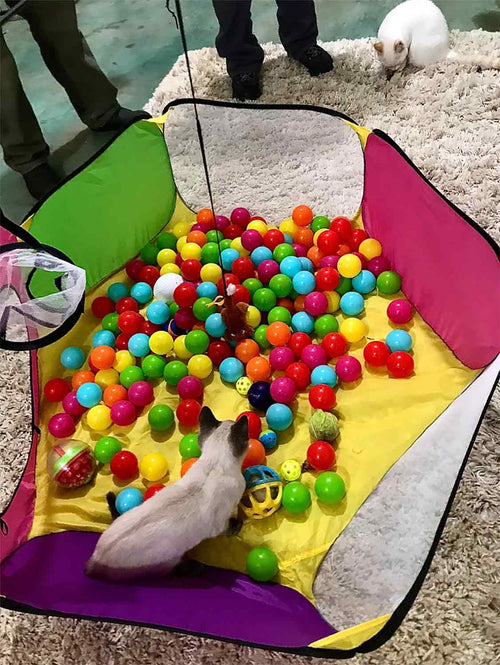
(236, 41)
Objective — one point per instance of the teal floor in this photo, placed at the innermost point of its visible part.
(136, 43)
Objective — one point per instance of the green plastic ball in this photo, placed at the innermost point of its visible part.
(264, 299)
(174, 371)
(259, 336)
(202, 308)
(225, 244)
(166, 241)
(210, 253)
(197, 341)
(106, 448)
(325, 324)
(130, 375)
(329, 487)
(280, 285)
(161, 417)
(320, 222)
(188, 446)
(296, 497)
(215, 236)
(252, 284)
(344, 285)
(279, 314)
(283, 250)
(149, 253)
(173, 308)
(110, 322)
(262, 564)
(388, 282)
(153, 366)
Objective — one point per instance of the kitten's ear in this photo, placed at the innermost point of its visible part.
(208, 422)
(399, 46)
(379, 47)
(239, 436)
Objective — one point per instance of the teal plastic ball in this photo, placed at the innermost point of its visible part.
(128, 498)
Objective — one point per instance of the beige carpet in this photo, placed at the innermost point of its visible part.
(447, 120)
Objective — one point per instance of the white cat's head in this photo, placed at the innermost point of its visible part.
(392, 54)
(226, 440)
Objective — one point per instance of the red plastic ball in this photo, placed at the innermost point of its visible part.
(228, 278)
(376, 354)
(300, 373)
(321, 455)
(151, 491)
(127, 304)
(102, 306)
(400, 364)
(185, 294)
(334, 344)
(328, 241)
(133, 268)
(188, 412)
(124, 465)
(232, 231)
(149, 328)
(243, 268)
(121, 342)
(273, 238)
(327, 279)
(130, 322)
(179, 260)
(357, 237)
(55, 390)
(342, 226)
(254, 424)
(219, 351)
(149, 274)
(322, 397)
(190, 269)
(241, 294)
(298, 342)
(256, 454)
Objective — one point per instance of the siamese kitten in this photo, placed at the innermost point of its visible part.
(153, 537)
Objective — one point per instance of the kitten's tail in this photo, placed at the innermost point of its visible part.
(483, 61)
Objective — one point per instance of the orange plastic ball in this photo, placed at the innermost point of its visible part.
(300, 303)
(315, 255)
(84, 376)
(304, 237)
(256, 454)
(258, 368)
(278, 333)
(114, 393)
(302, 215)
(197, 237)
(103, 357)
(246, 350)
(188, 464)
(205, 215)
(344, 249)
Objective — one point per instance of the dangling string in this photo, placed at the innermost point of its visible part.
(180, 25)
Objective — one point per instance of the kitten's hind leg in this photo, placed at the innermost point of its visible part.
(111, 499)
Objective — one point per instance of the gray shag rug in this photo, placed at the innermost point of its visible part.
(446, 119)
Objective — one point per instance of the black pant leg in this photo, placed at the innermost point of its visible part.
(236, 41)
(298, 27)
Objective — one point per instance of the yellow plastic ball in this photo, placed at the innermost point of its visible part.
(253, 316)
(349, 265)
(243, 385)
(236, 244)
(333, 299)
(181, 229)
(180, 243)
(258, 225)
(165, 256)
(99, 418)
(107, 377)
(153, 466)
(288, 226)
(190, 251)
(123, 359)
(170, 267)
(370, 248)
(210, 272)
(353, 329)
(317, 235)
(161, 342)
(200, 366)
(290, 470)
(180, 349)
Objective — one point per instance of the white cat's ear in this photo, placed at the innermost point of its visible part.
(208, 421)
(399, 46)
(379, 47)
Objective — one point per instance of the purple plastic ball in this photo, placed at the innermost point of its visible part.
(141, 393)
(251, 239)
(240, 216)
(190, 387)
(300, 250)
(221, 222)
(315, 303)
(280, 357)
(123, 413)
(267, 269)
(348, 368)
(72, 406)
(329, 261)
(61, 425)
(378, 264)
(199, 226)
(283, 390)
(313, 355)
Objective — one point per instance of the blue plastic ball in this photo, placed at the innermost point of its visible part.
(306, 264)
(231, 369)
(290, 266)
(352, 303)
(141, 292)
(128, 498)
(279, 417)
(158, 312)
(103, 338)
(304, 281)
(268, 438)
(72, 357)
(260, 254)
(324, 374)
(259, 395)
(302, 322)
(399, 340)
(89, 395)
(364, 282)
(207, 290)
(172, 328)
(138, 345)
(228, 257)
(117, 290)
(215, 326)
(288, 238)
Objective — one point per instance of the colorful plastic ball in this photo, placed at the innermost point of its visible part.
(117, 290)
(290, 470)
(262, 564)
(61, 425)
(123, 413)
(110, 322)
(283, 390)
(130, 322)
(316, 303)
(281, 285)
(149, 253)
(200, 366)
(103, 338)
(149, 275)
(357, 237)
(165, 256)
(288, 226)
(188, 446)
(130, 375)
(166, 240)
(259, 395)
(231, 369)
(214, 325)
(290, 266)
(191, 250)
(190, 387)
(399, 340)
(113, 394)
(106, 448)
(209, 257)
(251, 239)
(282, 251)
(324, 374)
(152, 490)
(329, 487)
(348, 368)
(342, 226)
(243, 268)
(99, 417)
(400, 364)
(313, 355)
(55, 390)
(124, 465)
(153, 466)
(123, 359)
(254, 424)
(165, 286)
(272, 238)
(184, 318)
(322, 396)
(160, 417)
(243, 385)
(133, 268)
(378, 265)
(72, 357)
(267, 270)
(370, 248)
(170, 269)
(388, 282)
(349, 265)
(72, 406)
(302, 215)
(279, 417)
(352, 303)
(302, 322)
(188, 412)
(328, 241)
(261, 254)
(321, 455)
(298, 342)
(303, 282)
(376, 353)
(246, 350)
(325, 324)
(197, 341)
(296, 497)
(102, 306)
(141, 292)
(364, 282)
(102, 357)
(153, 366)
(306, 264)
(89, 395)
(259, 336)
(228, 256)
(300, 374)
(255, 455)
(141, 393)
(264, 299)
(400, 311)
(128, 498)
(158, 312)
(202, 309)
(138, 345)
(127, 304)
(218, 351)
(161, 343)
(240, 216)
(71, 463)
(278, 333)
(268, 438)
(121, 343)
(258, 368)
(327, 279)
(353, 329)
(206, 290)
(334, 344)
(344, 285)
(231, 232)
(258, 224)
(252, 284)
(174, 371)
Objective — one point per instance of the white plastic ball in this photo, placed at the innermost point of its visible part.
(165, 286)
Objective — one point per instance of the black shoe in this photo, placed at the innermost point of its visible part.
(316, 60)
(121, 119)
(246, 86)
(41, 180)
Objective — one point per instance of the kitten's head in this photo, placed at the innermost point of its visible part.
(392, 54)
(226, 439)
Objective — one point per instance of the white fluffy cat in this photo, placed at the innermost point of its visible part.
(153, 537)
(416, 33)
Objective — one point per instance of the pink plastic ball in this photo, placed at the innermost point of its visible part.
(280, 357)
(92, 367)
(61, 425)
(251, 239)
(283, 390)
(123, 413)
(348, 368)
(190, 387)
(72, 406)
(363, 259)
(178, 260)
(300, 250)
(378, 264)
(201, 226)
(141, 393)
(316, 303)
(267, 269)
(240, 216)
(399, 311)
(185, 318)
(313, 355)
(329, 261)
(221, 222)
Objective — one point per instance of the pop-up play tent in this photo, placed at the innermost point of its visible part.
(348, 572)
